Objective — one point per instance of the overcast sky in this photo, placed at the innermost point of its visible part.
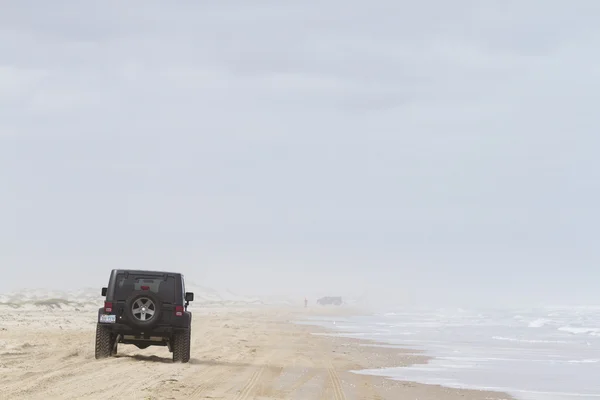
(432, 150)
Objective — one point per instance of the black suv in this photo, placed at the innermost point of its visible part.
(145, 308)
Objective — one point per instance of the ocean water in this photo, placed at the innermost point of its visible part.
(533, 354)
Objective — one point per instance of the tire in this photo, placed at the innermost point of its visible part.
(129, 311)
(181, 346)
(104, 342)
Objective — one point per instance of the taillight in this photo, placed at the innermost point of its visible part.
(107, 306)
(178, 311)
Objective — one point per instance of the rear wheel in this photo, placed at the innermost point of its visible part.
(181, 346)
(104, 342)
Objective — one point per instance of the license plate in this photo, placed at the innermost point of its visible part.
(108, 319)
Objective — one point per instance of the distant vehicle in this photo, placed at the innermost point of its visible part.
(336, 301)
(145, 308)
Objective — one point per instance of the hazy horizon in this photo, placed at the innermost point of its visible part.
(438, 152)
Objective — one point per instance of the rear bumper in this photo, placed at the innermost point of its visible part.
(123, 329)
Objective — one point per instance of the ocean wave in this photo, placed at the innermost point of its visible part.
(578, 330)
(590, 361)
(509, 339)
(538, 323)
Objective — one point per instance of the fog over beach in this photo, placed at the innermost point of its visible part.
(432, 164)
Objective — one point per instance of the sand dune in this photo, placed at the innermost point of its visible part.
(90, 297)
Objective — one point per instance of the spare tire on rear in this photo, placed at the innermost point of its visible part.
(142, 309)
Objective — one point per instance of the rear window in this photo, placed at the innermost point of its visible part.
(164, 289)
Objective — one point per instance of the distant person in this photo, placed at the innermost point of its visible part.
(305, 302)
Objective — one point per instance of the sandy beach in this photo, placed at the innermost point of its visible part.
(241, 353)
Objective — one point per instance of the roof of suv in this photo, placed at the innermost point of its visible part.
(145, 272)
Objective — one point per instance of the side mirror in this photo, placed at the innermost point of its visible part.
(104, 291)
(189, 296)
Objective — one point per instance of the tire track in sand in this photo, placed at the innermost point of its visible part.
(336, 384)
(299, 383)
(256, 384)
(251, 384)
(210, 378)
